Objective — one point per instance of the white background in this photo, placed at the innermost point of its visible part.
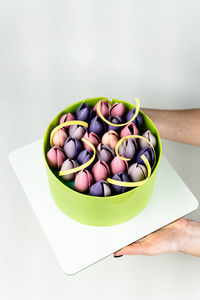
(53, 53)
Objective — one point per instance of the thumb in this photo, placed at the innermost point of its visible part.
(135, 248)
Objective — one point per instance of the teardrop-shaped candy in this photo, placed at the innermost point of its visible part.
(72, 148)
(105, 153)
(83, 181)
(150, 137)
(59, 138)
(55, 157)
(118, 165)
(138, 121)
(84, 113)
(120, 177)
(100, 170)
(84, 156)
(137, 172)
(128, 148)
(66, 118)
(100, 188)
(77, 131)
(104, 108)
(117, 109)
(148, 152)
(115, 120)
(110, 138)
(67, 165)
(129, 129)
(92, 138)
(97, 125)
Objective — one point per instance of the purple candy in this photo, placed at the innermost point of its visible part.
(148, 152)
(100, 188)
(97, 125)
(138, 121)
(83, 157)
(72, 147)
(105, 153)
(115, 120)
(121, 177)
(128, 148)
(84, 113)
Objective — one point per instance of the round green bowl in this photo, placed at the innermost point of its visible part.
(99, 211)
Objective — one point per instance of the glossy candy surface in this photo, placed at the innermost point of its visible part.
(129, 129)
(118, 165)
(110, 139)
(84, 113)
(100, 170)
(97, 126)
(59, 138)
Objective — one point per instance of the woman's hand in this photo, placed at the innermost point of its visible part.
(171, 238)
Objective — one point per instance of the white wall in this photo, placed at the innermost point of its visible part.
(53, 53)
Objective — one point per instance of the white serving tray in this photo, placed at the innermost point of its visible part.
(76, 245)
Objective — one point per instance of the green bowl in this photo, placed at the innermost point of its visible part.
(99, 211)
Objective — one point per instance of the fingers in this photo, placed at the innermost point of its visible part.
(138, 248)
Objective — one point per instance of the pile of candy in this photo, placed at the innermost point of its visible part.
(104, 155)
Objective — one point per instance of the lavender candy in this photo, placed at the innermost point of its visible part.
(100, 188)
(148, 152)
(138, 121)
(97, 125)
(84, 113)
(115, 120)
(67, 165)
(137, 172)
(121, 177)
(105, 153)
(150, 137)
(72, 147)
(128, 148)
(77, 131)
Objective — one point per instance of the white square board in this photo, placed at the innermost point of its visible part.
(76, 245)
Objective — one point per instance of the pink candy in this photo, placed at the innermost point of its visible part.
(118, 109)
(59, 138)
(110, 139)
(93, 139)
(66, 118)
(55, 157)
(129, 129)
(83, 181)
(118, 165)
(104, 109)
(100, 170)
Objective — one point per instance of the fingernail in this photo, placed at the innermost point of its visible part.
(118, 255)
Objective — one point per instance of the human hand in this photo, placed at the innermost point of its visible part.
(170, 238)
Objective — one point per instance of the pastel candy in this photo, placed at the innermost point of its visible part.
(138, 121)
(92, 138)
(129, 129)
(83, 181)
(104, 108)
(59, 138)
(128, 148)
(100, 188)
(66, 118)
(105, 153)
(72, 147)
(137, 172)
(97, 125)
(77, 131)
(120, 177)
(117, 109)
(84, 113)
(150, 137)
(84, 156)
(67, 165)
(55, 157)
(100, 170)
(110, 139)
(118, 165)
(115, 120)
(148, 152)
